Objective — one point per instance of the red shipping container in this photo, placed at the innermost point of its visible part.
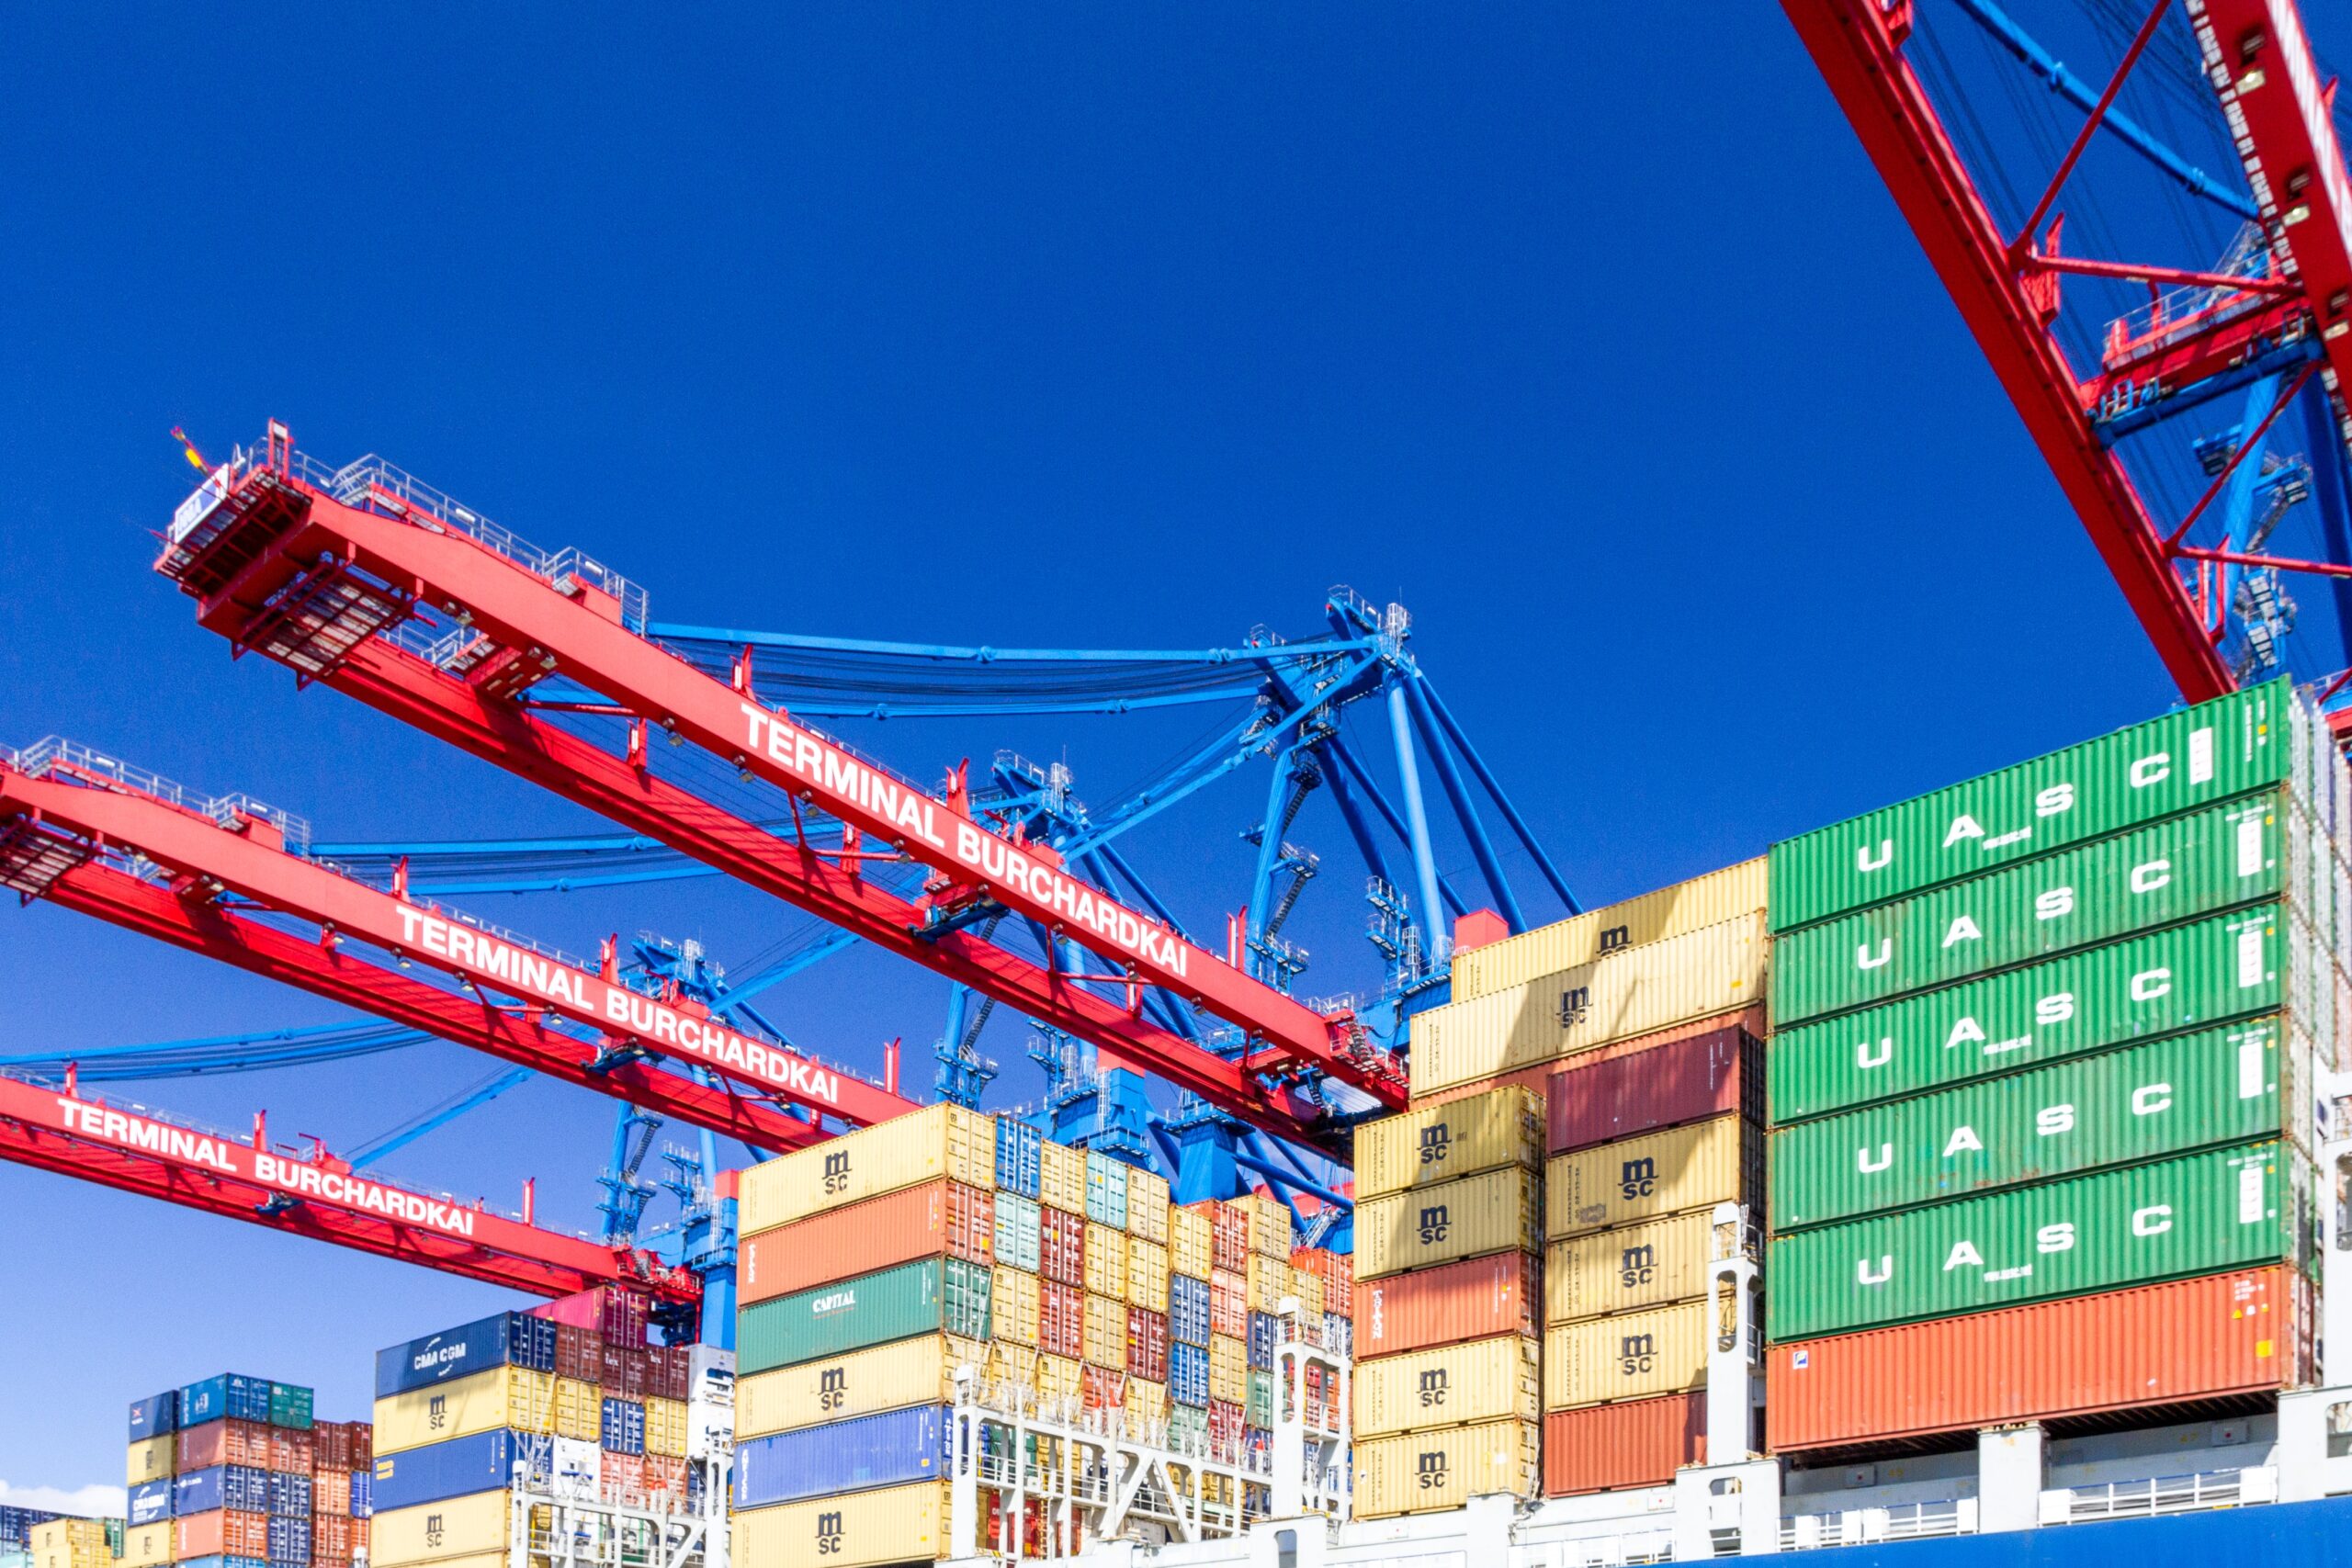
(330, 1538)
(2245, 1331)
(1102, 1388)
(220, 1532)
(331, 1444)
(624, 1473)
(1228, 1236)
(222, 1442)
(1061, 1318)
(1061, 1247)
(1147, 1344)
(1338, 1272)
(362, 1447)
(585, 1310)
(623, 1314)
(331, 1493)
(623, 1374)
(295, 1453)
(1476, 1299)
(880, 1233)
(1228, 1304)
(579, 1352)
(1539, 1077)
(1596, 1102)
(1641, 1442)
(663, 1473)
(671, 1373)
(1225, 1429)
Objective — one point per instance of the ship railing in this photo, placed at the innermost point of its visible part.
(1600, 1551)
(1904, 1521)
(2160, 1494)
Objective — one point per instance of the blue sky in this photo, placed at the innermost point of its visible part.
(1601, 349)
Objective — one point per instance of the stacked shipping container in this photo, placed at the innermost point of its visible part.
(56, 1540)
(231, 1472)
(2047, 1038)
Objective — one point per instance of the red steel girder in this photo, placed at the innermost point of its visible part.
(581, 634)
(198, 848)
(1860, 57)
(2217, 340)
(319, 1198)
(334, 973)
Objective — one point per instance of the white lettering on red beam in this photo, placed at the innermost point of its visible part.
(294, 1178)
(527, 973)
(995, 861)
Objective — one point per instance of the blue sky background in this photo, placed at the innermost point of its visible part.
(1601, 348)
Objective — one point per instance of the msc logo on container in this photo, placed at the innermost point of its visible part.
(1575, 1006)
(1637, 1178)
(1636, 1354)
(1616, 937)
(837, 1172)
(1436, 1143)
(832, 1388)
(828, 1534)
(1434, 1224)
(1637, 1266)
(1429, 1471)
(433, 1531)
(436, 1412)
(1433, 1389)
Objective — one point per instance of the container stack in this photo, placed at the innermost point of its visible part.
(1449, 1227)
(61, 1542)
(17, 1535)
(226, 1473)
(2042, 1092)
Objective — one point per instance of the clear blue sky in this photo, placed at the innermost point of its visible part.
(1599, 346)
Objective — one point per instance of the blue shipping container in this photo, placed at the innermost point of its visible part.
(155, 1416)
(1019, 1165)
(1262, 1342)
(237, 1486)
(236, 1398)
(1106, 1191)
(624, 1427)
(363, 1496)
(888, 1450)
(460, 1467)
(289, 1496)
(290, 1540)
(511, 1338)
(151, 1501)
(1188, 1375)
(1188, 1310)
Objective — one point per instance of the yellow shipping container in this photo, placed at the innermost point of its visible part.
(1421, 1472)
(503, 1396)
(861, 1530)
(1057, 1375)
(1672, 1172)
(1228, 1367)
(146, 1546)
(72, 1543)
(1636, 991)
(579, 1410)
(1106, 1261)
(1444, 1143)
(1107, 1332)
(666, 1426)
(1062, 1182)
(1483, 1379)
(1146, 1407)
(1147, 1206)
(861, 1382)
(1499, 1212)
(1191, 1242)
(1269, 1225)
(1646, 1265)
(149, 1460)
(1686, 907)
(1012, 1305)
(1146, 1275)
(1268, 1279)
(1308, 1289)
(1634, 1355)
(945, 1139)
(432, 1532)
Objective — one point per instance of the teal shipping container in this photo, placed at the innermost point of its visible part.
(1016, 1231)
(932, 1295)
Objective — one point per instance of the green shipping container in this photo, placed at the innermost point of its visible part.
(2231, 1085)
(290, 1405)
(2183, 761)
(2241, 964)
(934, 1295)
(2236, 854)
(2226, 1208)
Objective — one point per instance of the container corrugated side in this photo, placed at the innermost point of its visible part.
(1651, 1264)
(933, 1296)
(1482, 1380)
(148, 1460)
(1634, 1355)
(1017, 1231)
(432, 1532)
(2177, 762)
(1472, 1300)
(1462, 1137)
(1147, 1206)
(923, 1145)
(1498, 1212)
(920, 1371)
(2227, 1208)
(460, 1467)
(2249, 962)
(1062, 1181)
(1639, 1442)
(2239, 853)
(1673, 911)
(503, 1396)
(1146, 1275)
(1637, 991)
(503, 1340)
(940, 1216)
(1421, 1472)
(2231, 1085)
(1539, 1076)
(1191, 1249)
(1674, 1172)
(2242, 1332)
(1105, 1263)
(1013, 1306)
(892, 1448)
(863, 1529)
(1604, 1096)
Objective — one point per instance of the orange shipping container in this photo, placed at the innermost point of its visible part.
(223, 1442)
(222, 1532)
(1337, 1271)
(292, 1453)
(1475, 1299)
(898, 1227)
(1640, 1442)
(1228, 1304)
(2225, 1334)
